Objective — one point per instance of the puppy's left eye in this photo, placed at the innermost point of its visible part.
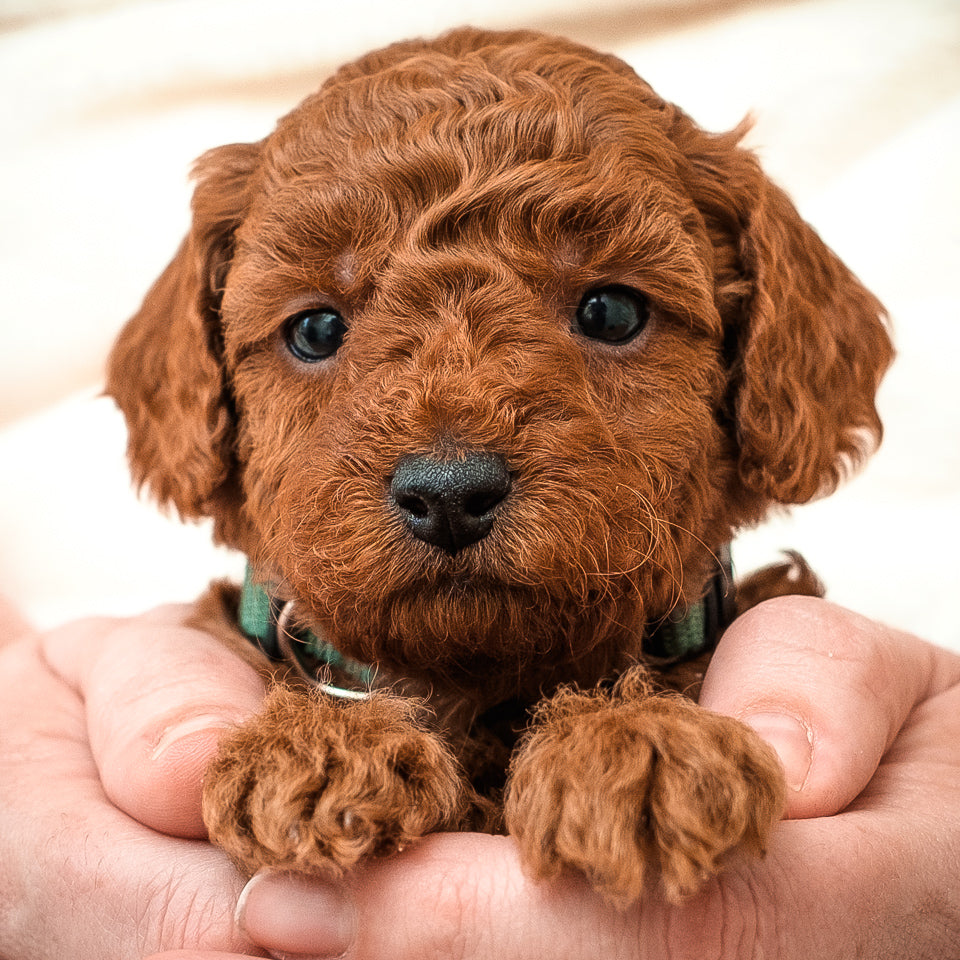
(314, 335)
(613, 314)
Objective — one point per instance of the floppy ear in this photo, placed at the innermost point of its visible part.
(808, 344)
(813, 351)
(165, 370)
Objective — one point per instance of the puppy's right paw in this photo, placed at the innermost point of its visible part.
(315, 784)
(615, 785)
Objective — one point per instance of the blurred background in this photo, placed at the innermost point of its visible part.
(106, 102)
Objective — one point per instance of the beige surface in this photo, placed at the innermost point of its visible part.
(857, 104)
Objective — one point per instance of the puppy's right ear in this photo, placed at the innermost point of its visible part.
(165, 371)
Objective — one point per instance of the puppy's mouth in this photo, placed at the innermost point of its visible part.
(462, 561)
(469, 629)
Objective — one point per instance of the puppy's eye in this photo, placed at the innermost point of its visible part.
(613, 314)
(314, 335)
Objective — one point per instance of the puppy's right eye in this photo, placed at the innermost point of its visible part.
(314, 335)
(613, 314)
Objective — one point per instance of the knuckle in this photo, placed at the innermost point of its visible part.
(735, 916)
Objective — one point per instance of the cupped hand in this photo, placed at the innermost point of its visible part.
(867, 723)
(105, 727)
(110, 716)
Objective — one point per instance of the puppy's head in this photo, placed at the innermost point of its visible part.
(486, 349)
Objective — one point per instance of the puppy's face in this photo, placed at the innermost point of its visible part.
(478, 315)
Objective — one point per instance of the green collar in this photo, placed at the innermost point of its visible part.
(261, 618)
(684, 639)
(699, 628)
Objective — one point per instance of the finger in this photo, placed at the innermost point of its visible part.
(466, 896)
(197, 955)
(80, 878)
(447, 896)
(828, 689)
(158, 697)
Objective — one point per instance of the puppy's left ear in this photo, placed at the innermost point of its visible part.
(810, 341)
(166, 370)
(815, 350)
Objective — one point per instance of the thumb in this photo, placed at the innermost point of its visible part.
(158, 697)
(827, 688)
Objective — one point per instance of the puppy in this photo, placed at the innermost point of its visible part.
(482, 357)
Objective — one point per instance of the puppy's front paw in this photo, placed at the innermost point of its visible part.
(613, 785)
(315, 784)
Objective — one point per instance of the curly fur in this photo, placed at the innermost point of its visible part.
(395, 782)
(453, 200)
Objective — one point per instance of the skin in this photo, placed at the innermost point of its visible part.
(865, 718)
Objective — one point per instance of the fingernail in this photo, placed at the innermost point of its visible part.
(792, 741)
(186, 730)
(295, 916)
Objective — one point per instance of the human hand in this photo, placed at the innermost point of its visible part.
(95, 717)
(880, 876)
(867, 722)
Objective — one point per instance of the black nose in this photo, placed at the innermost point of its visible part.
(450, 503)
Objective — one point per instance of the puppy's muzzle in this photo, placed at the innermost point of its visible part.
(450, 504)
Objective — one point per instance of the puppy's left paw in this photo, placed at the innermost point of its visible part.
(317, 785)
(612, 786)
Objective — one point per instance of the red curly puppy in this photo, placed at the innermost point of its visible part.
(482, 357)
